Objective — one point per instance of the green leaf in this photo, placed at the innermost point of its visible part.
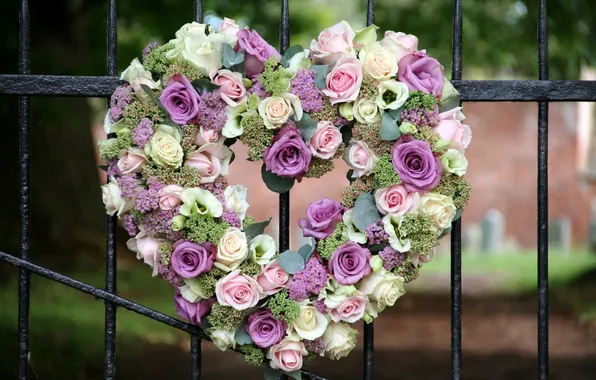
(256, 229)
(306, 251)
(292, 51)
(241, 337)
(296, 375)
(322, 71)
(229, 57)
(154, 98)
(204, 85)
(375, 248)
(276, 183)
(272, 374)
(232, 158)
(457, 215)
(365, 211)
(103, 167)
(346, 134)
(396, 114)
(367, 35)
(445, 232)
(307, 127)
(291, 261)
(389, 128)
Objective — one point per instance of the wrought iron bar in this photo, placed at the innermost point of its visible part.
(284, 199)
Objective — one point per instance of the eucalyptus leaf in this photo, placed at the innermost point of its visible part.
(365, 211)
(296, 375)
(291, 261)
(377, 247)
(306, 251)
(205, 325)
(291, 52)
(396, 114)
(256, 229)
(154, 98)
(307, 127)
(272, 374)
(229, 57)
(241, 337)
(346, 134)
(389, 128)
(204, 85)
(457, 215)
(276, 183)
(445, 232)
(322, 71)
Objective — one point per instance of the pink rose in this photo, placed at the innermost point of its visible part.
(287, 355)
(325, 141)
(360, 158)
(169, 197)
(238, 291)
(206, 136)
(132, 160)
(273, 279)
(210, 160)
(343, 82)
(228, 26)
(394, 200)
(333, 42)
(451, 128)
(400, 43)
(350, 309)
(146, 248)
(232, 89)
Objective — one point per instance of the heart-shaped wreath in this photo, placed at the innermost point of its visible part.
(385, 105)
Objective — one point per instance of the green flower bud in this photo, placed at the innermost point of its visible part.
(247, 83)
(376, 263)
(253, 101)
(442, 144)
(178, 222)
(346, 110)
(407, 128)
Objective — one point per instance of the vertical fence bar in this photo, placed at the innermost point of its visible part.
(456, 74)
(110, 308)
(369, 328)
(24, 275)
(542, 199)
(196, 352)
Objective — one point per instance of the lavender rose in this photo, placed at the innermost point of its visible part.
(193, 312)
(180, 99)
(416, 165)
(421, 73)
(264, 329)
(288, 156)
(322, 217)
(349, 263)
(256, 51)
(191, 259)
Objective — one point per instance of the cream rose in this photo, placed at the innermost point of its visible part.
(235, 200)
(395, 200)
(164, 147)
(232, 250)
(170, 196)
(382, 288)
(132, 160)
(112, 199)
(277, 110)
(366, 111)
(392, 94)
(440, 208)
(223, 339)
(238, 291)
(310, 324)
(210, 161)
(325, 141)
(360, 158)
(378, 61)
(287, 355)
(339, 339)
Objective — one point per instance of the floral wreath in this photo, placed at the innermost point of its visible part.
(385, 106)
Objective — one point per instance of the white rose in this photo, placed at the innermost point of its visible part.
(366, 111)
(454, 162)
(223, 339)
(299, 61)
(440, 208)
(235, 200)
(383, 289)
(200, 45)
(112, 198)
(378, 62)
(339, 339)
(310, 324)
(392, 94)
(136, 75)
(360, 158)
(391, 224)
(232, 250)
(350, 231)
(261, 249)
(164, 147)
(277, 110)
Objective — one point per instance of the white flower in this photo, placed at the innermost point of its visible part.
(299, 61)
(454, 162)
(261, 249)
(366, 111)
(136, 75)
(378, 62)
(391, 224)
(339, 339)
(440, 208)
(383, 289)
(223, 339)
(199, 201)
(233, 127)
(396, 92)
(346, 111)
(112, 198)
(232, 250)
(350, 231)
(310, 324)
(108, 127)
(192, 291)
(235, 200)
(200, 45)
(277, 110)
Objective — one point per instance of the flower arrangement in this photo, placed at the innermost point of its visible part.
(385, 106)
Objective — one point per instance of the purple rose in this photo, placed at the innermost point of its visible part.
(191, 259)
(421, 73)
(180, 99)
(288, 156)
(349, 263)
(418, 168)
(256, 51)
(322, 217)
(264, 329)
(192, 312)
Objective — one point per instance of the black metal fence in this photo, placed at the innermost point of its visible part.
(24, 85)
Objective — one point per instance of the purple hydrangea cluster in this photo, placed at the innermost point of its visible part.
(147, 49)
(320, 306)
(165, 272)
(212, 111)
(147, 200)
(376, 233)
(128, 185)
(113, 169)
(159, 221)
(303, 86)
(391, 257)
(340, 121)
(316, 346)
(120, 99)
(154, 184)
(311, 280)
(257, 88)
(421, 117)
(217, 187)
(143, 132)
(130, 226)
(232, 218)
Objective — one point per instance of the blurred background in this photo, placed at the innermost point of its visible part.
(413, 338)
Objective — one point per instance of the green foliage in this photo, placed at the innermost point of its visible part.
(252, 354)
(283, 308)
(327, 246)
(156, 60)
(384, 172)
(420, 100)
(201, 228)
(225, 317)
